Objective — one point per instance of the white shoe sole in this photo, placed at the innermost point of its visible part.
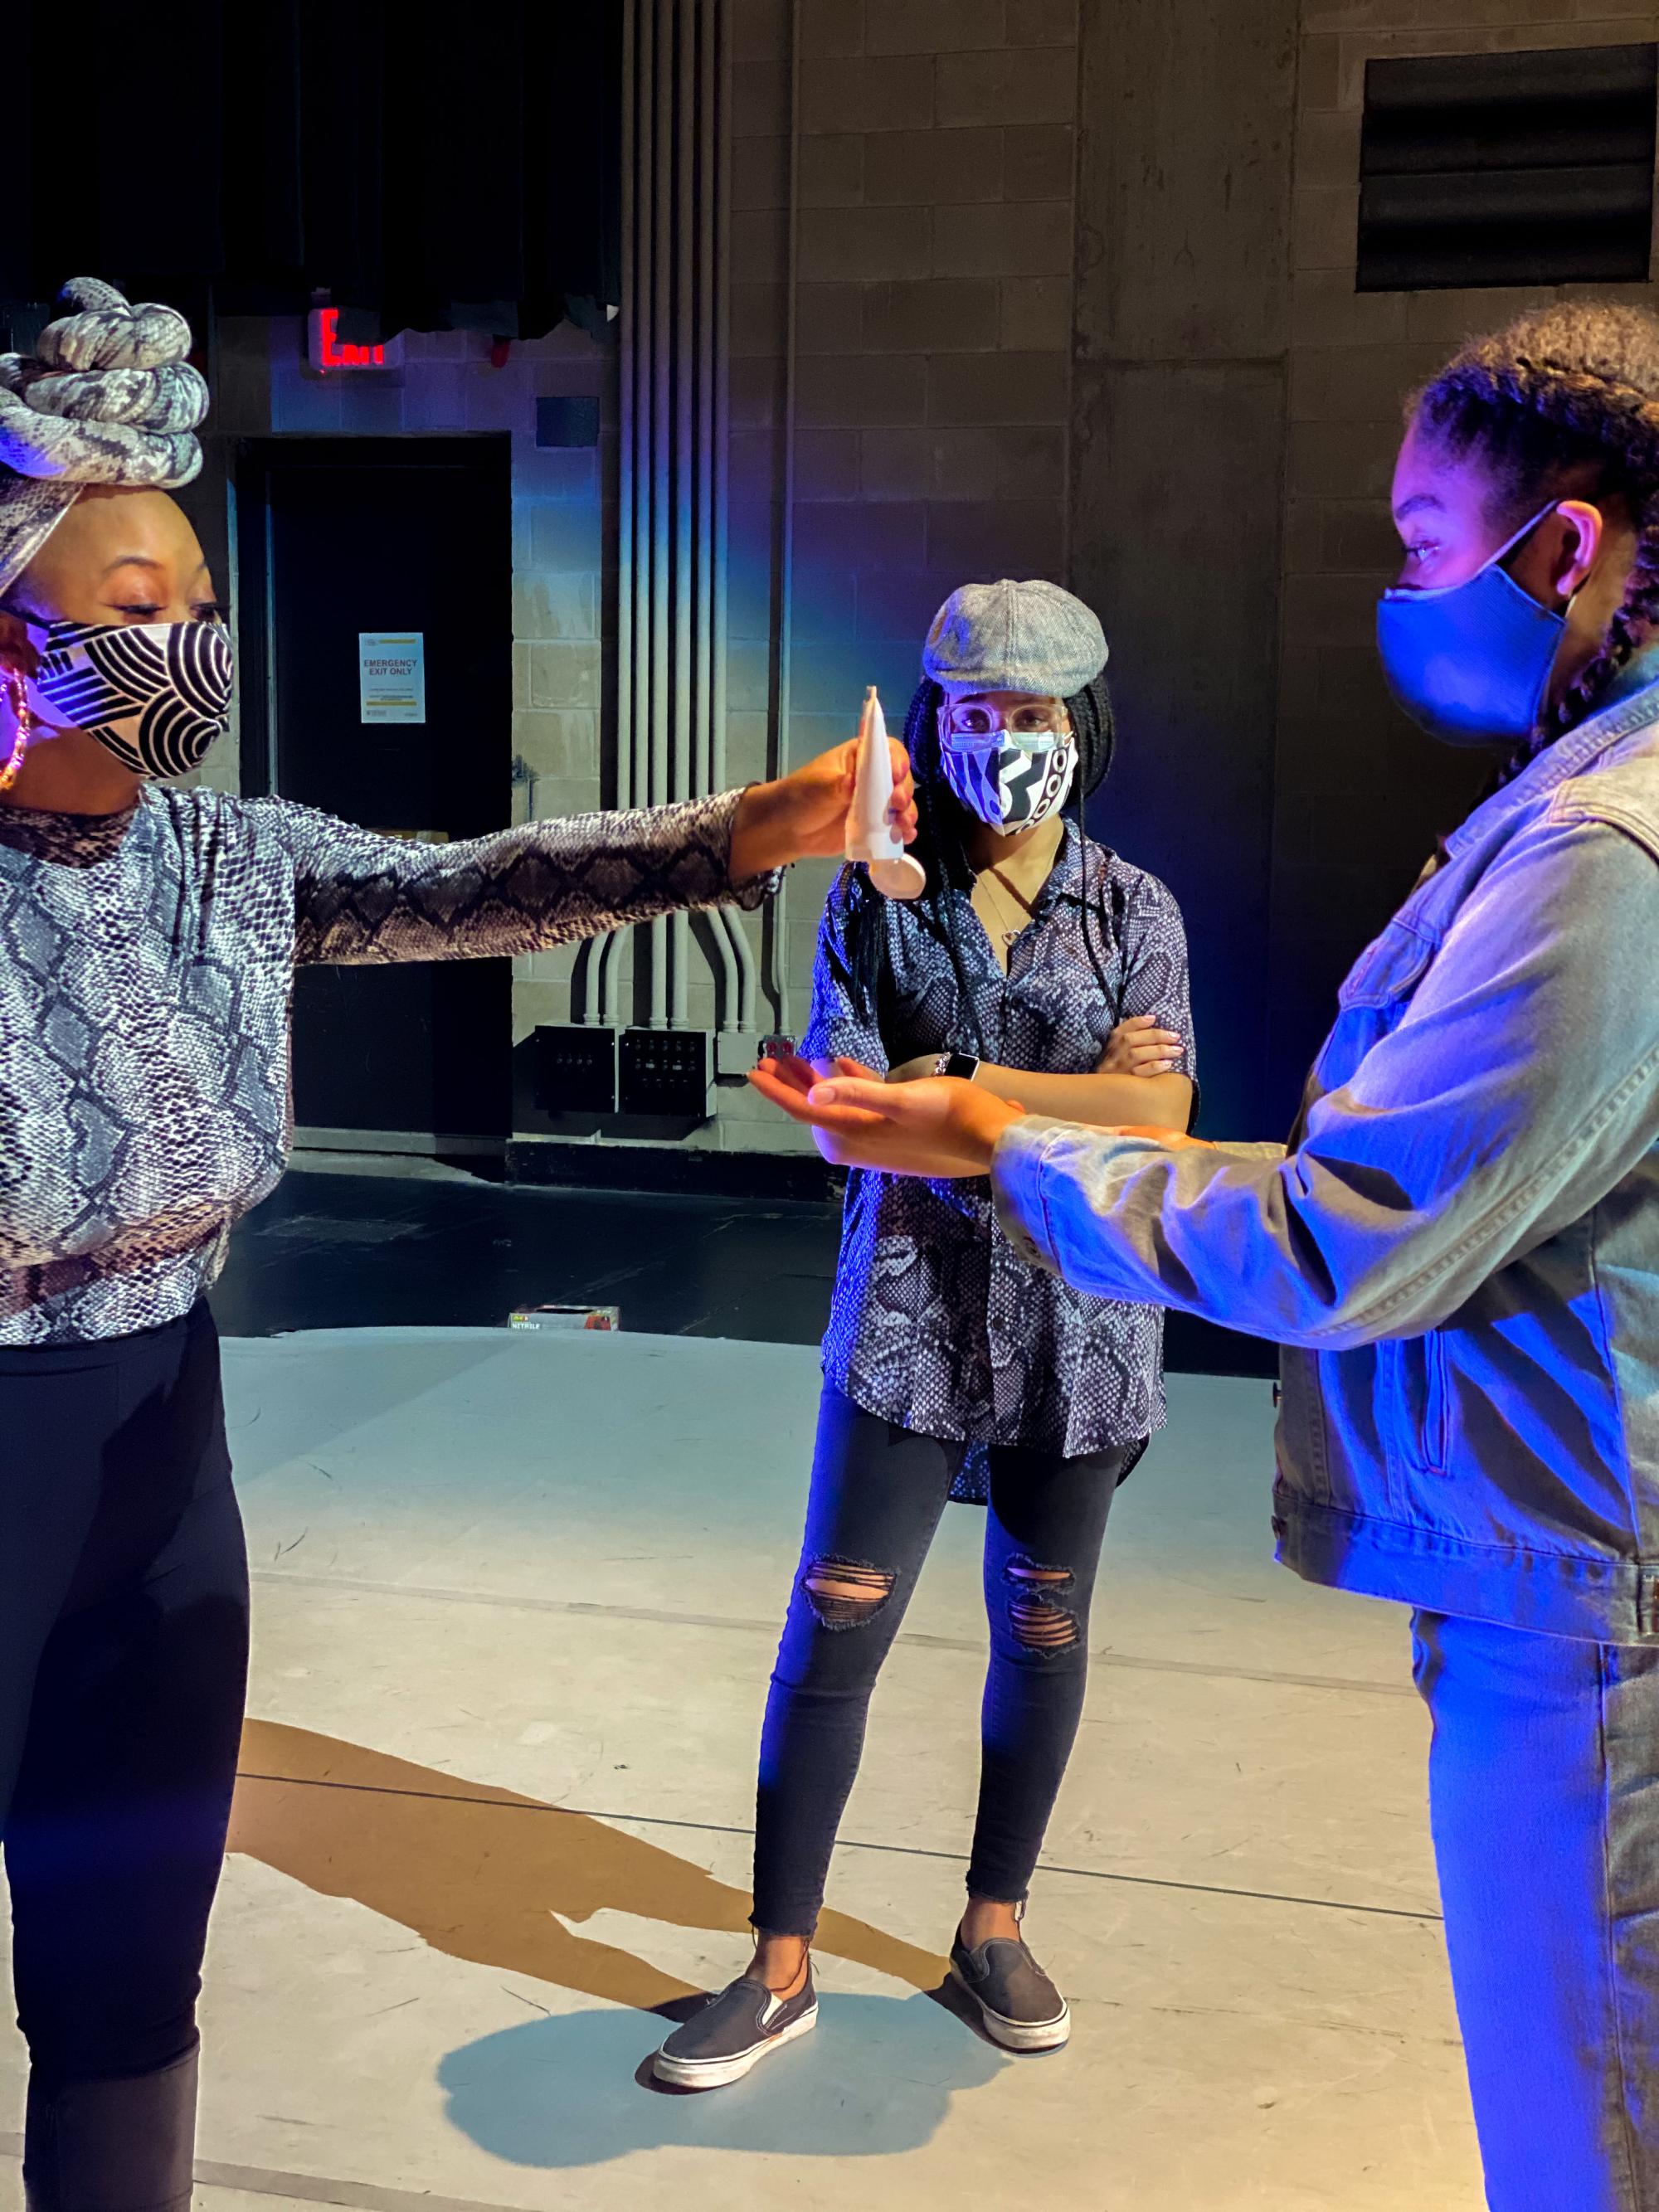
(1019, 2034)
(715, 2073)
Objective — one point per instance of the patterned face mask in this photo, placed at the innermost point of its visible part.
(157, 694)
(1009, 787)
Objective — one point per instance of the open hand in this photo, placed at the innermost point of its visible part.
(804, 816)
(936, 1126)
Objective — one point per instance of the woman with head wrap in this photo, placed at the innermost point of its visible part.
(1038, 965)
(148, 941)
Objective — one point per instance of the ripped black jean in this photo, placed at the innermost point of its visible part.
(877, 1493)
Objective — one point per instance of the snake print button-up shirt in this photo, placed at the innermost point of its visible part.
(936, 1324)
(146, 968)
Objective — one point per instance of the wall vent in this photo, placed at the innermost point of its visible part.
(1526, 168)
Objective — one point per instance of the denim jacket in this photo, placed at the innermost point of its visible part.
(1459, 1249)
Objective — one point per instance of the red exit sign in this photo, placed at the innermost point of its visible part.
(327, 353)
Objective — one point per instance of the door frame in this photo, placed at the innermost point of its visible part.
(251, 569)
(248, 516)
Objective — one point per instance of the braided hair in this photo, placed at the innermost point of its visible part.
(1564, 402)
(941, 847)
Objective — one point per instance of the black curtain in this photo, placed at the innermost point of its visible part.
(437, 166)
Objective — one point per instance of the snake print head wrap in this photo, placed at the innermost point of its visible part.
(108, 398)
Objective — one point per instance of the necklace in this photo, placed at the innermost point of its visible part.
(999, 908)
(1007, 935)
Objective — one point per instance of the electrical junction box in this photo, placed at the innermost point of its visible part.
(666, 1072)
(576, 1068)
(734, 1052)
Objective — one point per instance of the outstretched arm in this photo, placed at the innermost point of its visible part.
(1520, 1087)
(363, 899)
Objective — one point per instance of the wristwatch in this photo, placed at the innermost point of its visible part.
(962, 1065)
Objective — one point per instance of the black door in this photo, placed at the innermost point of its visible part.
(341, 541)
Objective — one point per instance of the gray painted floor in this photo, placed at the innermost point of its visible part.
(516, 1603)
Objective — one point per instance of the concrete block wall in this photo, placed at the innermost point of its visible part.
(931, 294)
(1178, 408)
(1360, 792)
(1071, 293)
(929, 290)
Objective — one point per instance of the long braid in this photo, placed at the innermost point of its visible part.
(1565, 399)
(1095, 727)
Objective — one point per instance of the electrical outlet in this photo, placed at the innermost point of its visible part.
(666, 1072)
(576, 1068)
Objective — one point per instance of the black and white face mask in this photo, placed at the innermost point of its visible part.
(1013, 769)
(157, 694)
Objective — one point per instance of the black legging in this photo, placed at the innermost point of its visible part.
(122, 1662)
(877, 1493)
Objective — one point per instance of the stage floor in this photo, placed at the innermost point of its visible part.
(516, 1601)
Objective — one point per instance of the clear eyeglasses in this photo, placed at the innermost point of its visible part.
(1033, 725)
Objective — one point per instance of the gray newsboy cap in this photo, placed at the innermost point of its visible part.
(1012, 637)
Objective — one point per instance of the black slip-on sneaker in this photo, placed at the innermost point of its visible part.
(734, 2031)
(1020, 2006)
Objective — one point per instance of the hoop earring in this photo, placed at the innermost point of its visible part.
(17, 699)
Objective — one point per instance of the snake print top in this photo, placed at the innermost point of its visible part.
(937, 1324)
(146, 969)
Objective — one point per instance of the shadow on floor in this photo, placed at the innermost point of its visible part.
(487, 1875)
(875, 2079)
(484, 1874)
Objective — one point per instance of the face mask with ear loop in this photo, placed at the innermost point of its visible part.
(157, 695)
(1011, 773)
(1471, 662)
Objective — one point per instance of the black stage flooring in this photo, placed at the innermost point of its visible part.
(335, 1249)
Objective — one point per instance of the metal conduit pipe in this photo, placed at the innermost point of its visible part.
(742, 1018)
(636, 430)
(713, 123)
(674, 471)
(681, 784)
(633, 671)
(786, 556)
(662, 310)
(598, 984)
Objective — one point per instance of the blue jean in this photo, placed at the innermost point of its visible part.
(1543, 1794)
(877, 1493)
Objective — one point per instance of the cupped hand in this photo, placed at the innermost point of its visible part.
(804, 816)
(937, 1127)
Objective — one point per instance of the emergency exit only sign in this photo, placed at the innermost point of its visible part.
(391, 675)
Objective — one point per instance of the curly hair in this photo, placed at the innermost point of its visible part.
(1562, 403)
(940, 848)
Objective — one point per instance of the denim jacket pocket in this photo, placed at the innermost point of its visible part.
(1417, 1413)
(1370, 1005)
(1389, 969)
(1303, 1454)
(1437, 1403)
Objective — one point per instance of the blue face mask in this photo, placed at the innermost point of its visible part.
(1471, 661)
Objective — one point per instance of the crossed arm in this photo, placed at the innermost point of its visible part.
(1134, 1081)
